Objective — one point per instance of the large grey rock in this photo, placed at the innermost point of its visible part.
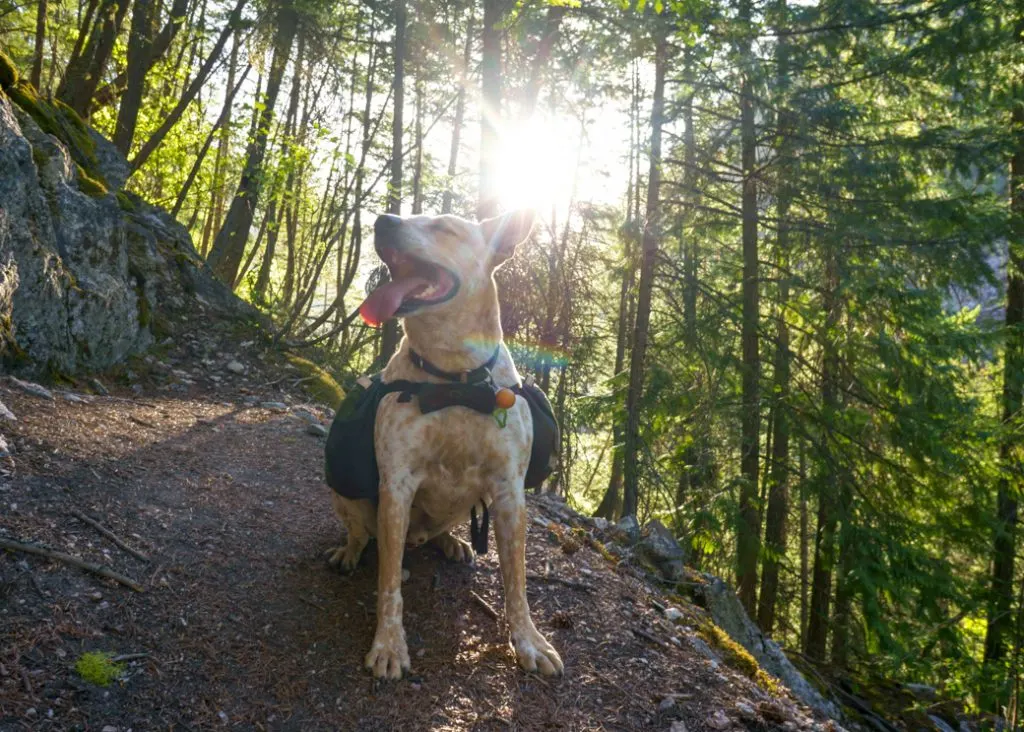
(659, 545)
(83, 277)
(728, 613)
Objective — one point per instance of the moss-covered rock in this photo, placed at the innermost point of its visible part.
(8, 72)
(89, 185)
(737, 657)
(128, 202)
(59, 120)
(318, 383)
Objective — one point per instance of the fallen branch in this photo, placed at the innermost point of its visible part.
(648, 637)
(71, 560)
(484, 605)
(108, 533)
(309, 602)
(128, 657)
(558, 580)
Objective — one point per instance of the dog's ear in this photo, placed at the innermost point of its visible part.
(503, 233)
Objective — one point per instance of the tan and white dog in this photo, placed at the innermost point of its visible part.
(435, 467)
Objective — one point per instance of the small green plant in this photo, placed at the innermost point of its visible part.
(98, 668)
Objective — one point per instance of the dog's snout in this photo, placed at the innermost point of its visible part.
(386, 223)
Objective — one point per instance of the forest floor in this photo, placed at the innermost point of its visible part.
(243, 625)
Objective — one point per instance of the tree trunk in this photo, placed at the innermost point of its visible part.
(139, 44)
(219, 124)
(39, 48)
(611, 503)
(390, 336)
(824, 538)
(460, 113)
(748, 528)
(1000, 616)
(160, 45)
(193, 88)
(259, 290)
(417, 171)
(229, 245)
(83, 77)
(804, 550)
(490, 113)
(649, 254)
(224, 144)
(778, 481)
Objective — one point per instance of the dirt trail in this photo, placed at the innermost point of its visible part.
(245, 626)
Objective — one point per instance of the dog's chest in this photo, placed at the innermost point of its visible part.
(454, 455)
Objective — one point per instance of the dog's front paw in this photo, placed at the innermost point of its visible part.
(389, 656)
(535, 653)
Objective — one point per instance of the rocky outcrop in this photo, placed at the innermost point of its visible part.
(728, 614)
(88, 273)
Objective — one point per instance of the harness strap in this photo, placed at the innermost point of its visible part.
(480, 373)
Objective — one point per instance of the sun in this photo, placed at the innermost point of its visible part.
(537, 164)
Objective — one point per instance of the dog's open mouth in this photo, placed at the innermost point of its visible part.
(415, 283)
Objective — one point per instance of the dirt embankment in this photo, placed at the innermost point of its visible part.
(205, 461)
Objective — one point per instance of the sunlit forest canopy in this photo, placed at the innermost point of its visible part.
(774, 292)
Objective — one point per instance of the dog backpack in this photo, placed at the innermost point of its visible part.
(350, 457)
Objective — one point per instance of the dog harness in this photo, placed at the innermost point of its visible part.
(350, 454)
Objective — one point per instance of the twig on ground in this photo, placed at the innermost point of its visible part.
(309, 602)
(28, 683)
(156, 573)
(71, 560)
(129, 657)
(647, 636)
(484, 605)
(108, 533)
(558, 580)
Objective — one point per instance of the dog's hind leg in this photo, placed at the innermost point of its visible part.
(357, 517)
(454, 548)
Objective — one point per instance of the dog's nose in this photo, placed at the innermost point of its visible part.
(386, 223)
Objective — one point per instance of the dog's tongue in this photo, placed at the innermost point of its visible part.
(386, 299)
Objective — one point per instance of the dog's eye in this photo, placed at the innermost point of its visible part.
(443, 227)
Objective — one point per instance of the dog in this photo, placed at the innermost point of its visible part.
(435, 468)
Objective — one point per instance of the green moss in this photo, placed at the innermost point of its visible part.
(40, 157)
(12, 355)
(127, 201)
(318, 383)
(737, 657)
(98, 668)
(8, 72)
(59, 120)
(145, 310)
(89, 185)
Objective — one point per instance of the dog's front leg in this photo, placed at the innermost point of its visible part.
(389, 655)
(532, 649)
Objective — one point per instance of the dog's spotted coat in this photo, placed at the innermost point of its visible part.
(435, 467)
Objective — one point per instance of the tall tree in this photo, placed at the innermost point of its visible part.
(139, 42)
(648, 257)
(389, 333)
(229, 246)
(748, 528)
(490, 109)
(40, 45)
(1000, 607)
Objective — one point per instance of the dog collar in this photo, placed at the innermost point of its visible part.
(472, 376)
